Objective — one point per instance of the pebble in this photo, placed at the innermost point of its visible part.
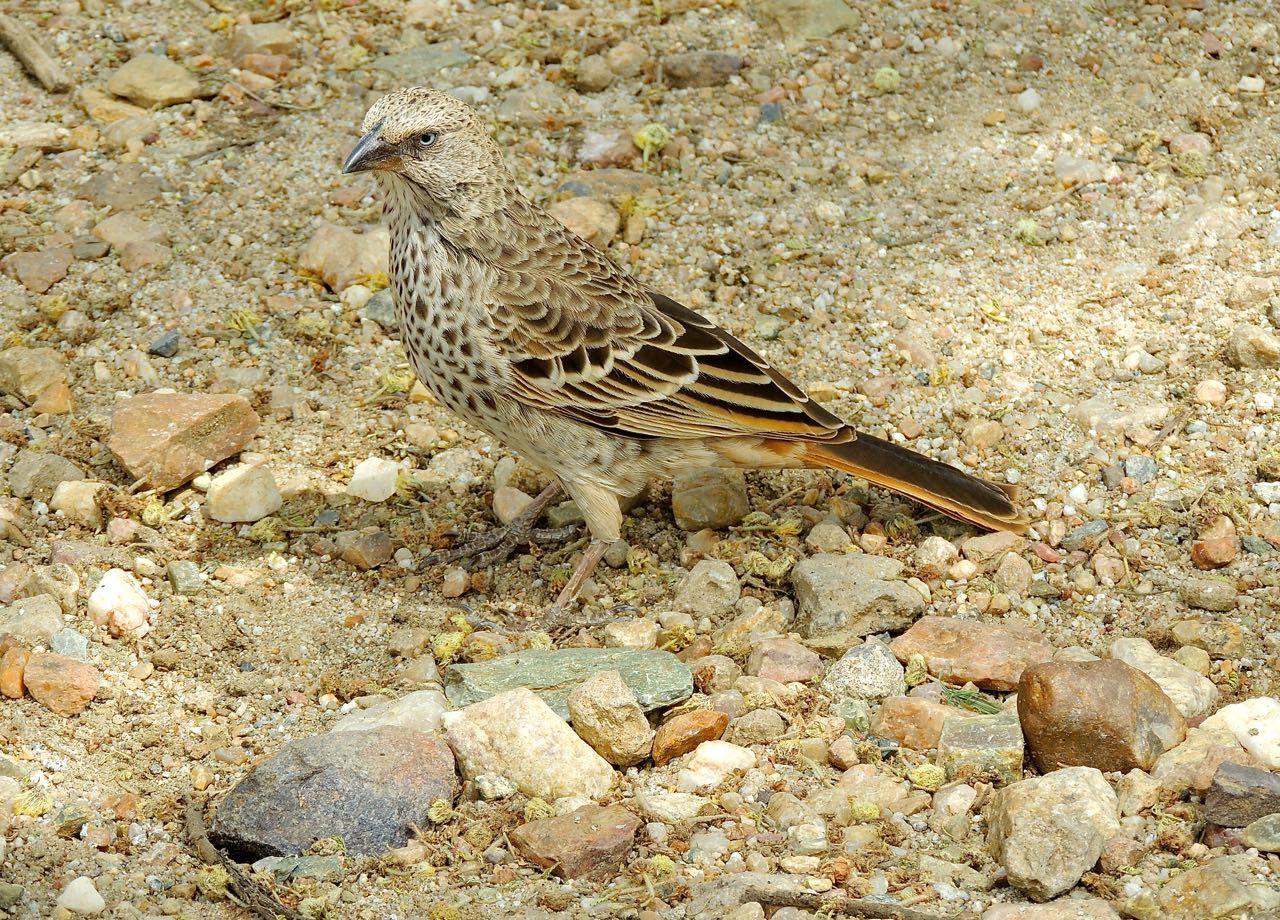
(150, 80)
(35, 474)
(369, 549)
(989, 549)
(1264, 834)
(683, 732)
(635, 633)
(759, 726)
(1255, 723)
(1240, 795)
(1048, 831)
(981, 745)
(1192, 693)
(1028, 101)
(33, 620)
(868, 672)
(934, 556)
(1197, 659)
(593, 74)
(1226, 887)
(77, 500)
(80, 896)
(595, 221)
(711, 764)
(850, 596)
(1216, 545)
(626, 58)
(589, 843)
(341, 257)
(62, 684)
(1253, 347)
(518, 736)
(120, 604)
(12, 665)
(421, 711)
(165, 439)
(991, 655)
(657, 678)
(166, 346)
(912, 721)
(1065, 909)
(374, 479)
(783, 660)
(1103, 714)
(714, 673)
(700, 68)
(605, 714)
(365, 787)
(1220, 639)
(826, 537)
(1210, 392)
(184, 577)
(1208, 594)
(40, 270)
(711, 497)
(710, 589)
(243, 494)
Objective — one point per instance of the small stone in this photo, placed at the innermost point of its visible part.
(1086, 536)
(657, 678)
(1028, 100)
(709, 497)
(1226, 887)
(516, 735)
(364, 550)
(1240, 795)
(342, 257)
(374, 479)
(1013, 575)
(1210, 392)
(120, 604)
(1253, 347)
(684, 731)
(365, 787)
(610, 147)
(167, 345)
(80, 896)
(593, 74)
(626, 58)
(983, 745)
(826, 537)
(868, 672)
(759, 726)
(934, 556)
(670, 807)
(1192, 693)
(605, 714)
(1049, 830)
(633, 633)
(993, 656)
(150, 80)
(56, 399)
(420, 711)
(1264, 834)
(12, 665)
(184, 577)
(1208, 594)
(244, 493)
(37, 475)
(71, 643)
(594, 220)
(714, 673)
(77, 500)
(852, 596)
(784, 660)
(33, 620)
(913, 722)
(711, 764)
(508, 502)
(1197, 659)
(1217, 544)
(41, 270)
(700, 68)
(988, 549)
(1219, 639)
(589, 843)
(62, 684)
(1255, 723)
(1103, 714)
(167, 438)
(1065, 909)
(710, 589)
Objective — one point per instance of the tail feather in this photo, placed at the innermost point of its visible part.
(942, 487)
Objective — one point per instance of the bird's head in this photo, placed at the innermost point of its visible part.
(436, 144)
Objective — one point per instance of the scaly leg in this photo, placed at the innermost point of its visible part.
(497, 544)
(553, 617)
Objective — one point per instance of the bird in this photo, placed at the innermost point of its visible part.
(532, 335)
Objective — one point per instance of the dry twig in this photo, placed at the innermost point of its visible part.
(23, 45)
(256, 898)
(834, 904)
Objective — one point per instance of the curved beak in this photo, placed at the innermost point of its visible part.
(372, 152)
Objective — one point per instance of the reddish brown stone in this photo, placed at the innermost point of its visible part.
(914, 722)
(590, 843)
(63, 684)
(1102, 714)
(682, 733)
(39, 271)
(991, 655)
(167, 438)
(12, 666)
(1217, 545)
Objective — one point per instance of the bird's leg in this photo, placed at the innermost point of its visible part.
(497, 544)
(590, 559)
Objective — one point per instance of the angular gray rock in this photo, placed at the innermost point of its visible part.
(365, 787)
(1240, 795)
(866, 672)
(852, 596)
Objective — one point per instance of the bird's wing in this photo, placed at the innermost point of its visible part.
(587, 341)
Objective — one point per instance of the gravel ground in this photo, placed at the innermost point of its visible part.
(1035, 239)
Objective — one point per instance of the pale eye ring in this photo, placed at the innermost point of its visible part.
(427, 139)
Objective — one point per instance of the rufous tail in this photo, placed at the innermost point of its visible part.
(984, 504)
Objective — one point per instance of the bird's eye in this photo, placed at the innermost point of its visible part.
(427, 139)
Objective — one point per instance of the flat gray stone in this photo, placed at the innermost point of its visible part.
(657, 679)
(366, 788)
(415, 65)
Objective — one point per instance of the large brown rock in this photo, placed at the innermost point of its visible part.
(63, 684)
(683, 732)
(1102, 714)
(366, 787)
(167, 438)
(589, 843)
(991, 655)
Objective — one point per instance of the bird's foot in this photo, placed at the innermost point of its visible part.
(497, 544)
